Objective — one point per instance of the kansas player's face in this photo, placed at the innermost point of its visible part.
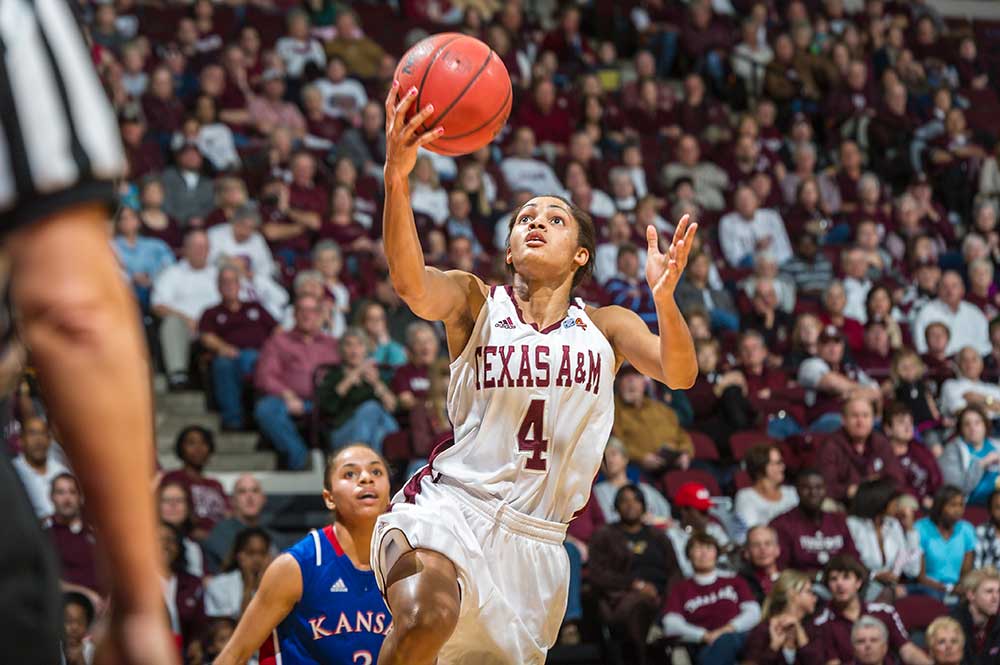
(358, 486)
(544, 241)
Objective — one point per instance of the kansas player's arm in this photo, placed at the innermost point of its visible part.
(668, 357)
(280, 589)
(454, 297)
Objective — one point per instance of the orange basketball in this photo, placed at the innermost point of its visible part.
(466, 82)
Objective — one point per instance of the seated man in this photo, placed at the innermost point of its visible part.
(829, 379)
(760, 561)
(241, 237)
(615, 470)
(869, 641)
(72, 538)
(844, 576)
(712, 612)
(692, 503)
(285, 376)
(631, 564)
(522, 171)
(750, 229)
(770, 390)
(248, 501)
(36, 466)
(181, 294)
(965, 321)
(628, 288)
(856, 452)
(969, 388)
(808, 268)
(921, 473)
(977, 614)
(808, 536)
(234, 331)
(648, 428)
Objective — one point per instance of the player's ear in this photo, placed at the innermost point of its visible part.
(328, 500)
(508, 256)
(582, 256)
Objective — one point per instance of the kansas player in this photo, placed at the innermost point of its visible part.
(470, 557)
(318, 603)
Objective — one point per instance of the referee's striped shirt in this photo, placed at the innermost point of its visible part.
(59, 143)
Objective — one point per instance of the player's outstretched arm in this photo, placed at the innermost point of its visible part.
(668, 357)
(429, 292)
(280, 589)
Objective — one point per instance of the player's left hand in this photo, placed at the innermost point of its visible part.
(664, 270)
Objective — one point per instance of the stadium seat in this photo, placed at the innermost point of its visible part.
(917, 612)
(704, 447)
(674, 479)
(741, 480)
(977, 515)
(741, 442)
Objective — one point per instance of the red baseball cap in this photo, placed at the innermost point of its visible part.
(694, 495)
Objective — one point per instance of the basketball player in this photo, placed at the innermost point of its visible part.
(59, 153)
(470, 557)
(318, 603)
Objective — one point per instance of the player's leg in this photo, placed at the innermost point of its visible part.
(423, 595)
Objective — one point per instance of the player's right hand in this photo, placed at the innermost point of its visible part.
(401, 138)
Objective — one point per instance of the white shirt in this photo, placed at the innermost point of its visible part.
(430, 202)
(601, 205)
(656, 504)
(968, 327)
(953, 393)
(738, 236)
(187, 290)
(296, 53)
(857, 295)
(753, 510)
(216, 142)
(39, 485)
(222, 242)
(265, 291)
(531, 175)
(606, 261)
(812, 371)
(343, 99)
(224, 595)
(898, 553)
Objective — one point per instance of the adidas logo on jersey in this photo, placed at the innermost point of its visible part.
(506, 324)
(338, 585)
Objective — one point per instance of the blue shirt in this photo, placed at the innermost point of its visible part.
(341, 618)
(148, 255)
(392, 353)
(981, 494)
(943, 558)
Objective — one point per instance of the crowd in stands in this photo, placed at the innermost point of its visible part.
(828, 489)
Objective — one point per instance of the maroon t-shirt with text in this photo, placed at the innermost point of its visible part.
(709, 606)
(807, 545)
(245, 328)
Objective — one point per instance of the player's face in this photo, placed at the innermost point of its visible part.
(359, 486)
(544, 241)
(844, 586)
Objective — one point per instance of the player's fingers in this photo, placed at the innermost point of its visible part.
(689, 235)
(416, 121)
(404, 104)
(682, 225)
(652, 240)
(390, 104)
(429, 137)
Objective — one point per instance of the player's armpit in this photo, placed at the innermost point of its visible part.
(280, 589)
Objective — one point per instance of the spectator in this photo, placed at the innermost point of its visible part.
(629, 288)
(359, 52)
(751, 56)
(921, 473)
(766, 269)
(768, 497)
(804, 343)
(248, 501)
(875, 356)
(856, 453)
(760, 560)
(719, 398)
(834, 304)
(308, 202)
(750, 229)
(72, 538)
(78, 617)
(988, 535)
(228, 594)
(709, 181)
(37, 465)
(234, 332)
(177, 509)
(365, 144)
(328, 260)
(844, 576)
(194, 446)
(343, 96)
(808, 268)
(371, 318)
(182, 592)
(269, 110)
(781, 638)
(162, 109)
(946, 642)
(854, 268)
(693, 503)
(977, 616)
(619, 234)
(547, 115)
(181, 294)
(427, 196)
(615, 470)
(154, 222)
(631, 564)
(188, 195)
(285, 377)
(522, 171)
(808, 536)
(971, 461)
(965, 322)
(240, 238)
(969, 389)
(297, 49)
(870, 641)
(948, 541)
(711, 612)
(143, 258)
(771, 392)
(804, 160)
(694, 289)
(829, 380)
(648, 428)
(884, 547)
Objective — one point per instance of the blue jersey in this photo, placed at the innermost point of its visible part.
(341, 618)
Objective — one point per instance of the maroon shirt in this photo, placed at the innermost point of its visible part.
(842, 466)
(143, 159)
(162, 115)
(757, 648)
(171, 234)
(806, 544)
(210, 502)
(553, 127)
(786, 395)
(75, 546)
(411, 378)
(311, 199)
(246, 327)
(709, 606)
(920, 471)
(833, 632)
(299, 244)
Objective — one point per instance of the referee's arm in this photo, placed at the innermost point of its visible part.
(59, 152)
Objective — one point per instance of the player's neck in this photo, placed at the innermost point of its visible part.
(356, 543)
(542, 303)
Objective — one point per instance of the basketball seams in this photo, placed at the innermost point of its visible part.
(458, 97)
(492, 118)
(434, 58)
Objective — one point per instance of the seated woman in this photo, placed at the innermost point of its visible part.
(616, 477)
(719, 398)
(948, 541)
(946, 641)
(183, 594)
(372, 319)
(780, 638)
(971, 461)
(194, 447)
(228, 594)
(143, 258)
(175, 511)
(768, 497)
(354, 397)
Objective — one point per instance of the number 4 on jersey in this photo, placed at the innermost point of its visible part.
(531, 435)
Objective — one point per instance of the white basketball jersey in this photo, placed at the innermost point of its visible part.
(532, 409)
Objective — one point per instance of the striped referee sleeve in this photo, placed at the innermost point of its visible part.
(59, 142)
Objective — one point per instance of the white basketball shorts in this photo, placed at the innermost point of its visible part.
(513, 571)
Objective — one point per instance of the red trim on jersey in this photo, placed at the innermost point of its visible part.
(412, 487)
(332, 537)
(269, 650)
(520, 316)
